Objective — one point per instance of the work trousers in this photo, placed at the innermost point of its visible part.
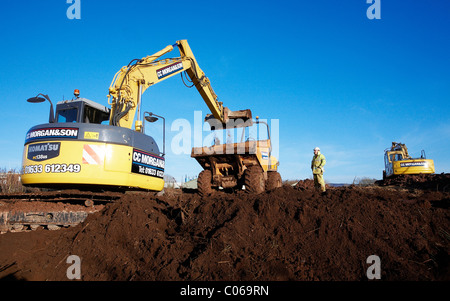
(319, 182)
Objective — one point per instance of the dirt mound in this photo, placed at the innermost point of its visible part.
(307, 184)
(290, 233)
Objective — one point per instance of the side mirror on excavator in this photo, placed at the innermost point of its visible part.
(37, 99)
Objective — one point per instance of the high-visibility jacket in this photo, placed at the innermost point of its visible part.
(317, 163)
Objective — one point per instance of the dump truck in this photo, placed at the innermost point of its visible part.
(248, 165)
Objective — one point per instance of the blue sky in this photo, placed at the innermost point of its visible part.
(326, 73)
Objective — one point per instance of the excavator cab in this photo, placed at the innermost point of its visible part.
(77, 110)
(81, 110)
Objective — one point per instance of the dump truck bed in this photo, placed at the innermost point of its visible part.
(244, 153)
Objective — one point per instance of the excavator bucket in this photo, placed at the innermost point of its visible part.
(233, 119)
(241, 114)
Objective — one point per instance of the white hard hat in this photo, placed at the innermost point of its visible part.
(317, 148)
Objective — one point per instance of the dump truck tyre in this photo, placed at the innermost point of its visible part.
(273, 180)
(204, 180)
(254, 180)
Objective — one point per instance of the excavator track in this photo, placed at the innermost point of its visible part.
(50, 210)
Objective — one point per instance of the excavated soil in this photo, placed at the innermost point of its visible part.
(290, 233)
(437, 182)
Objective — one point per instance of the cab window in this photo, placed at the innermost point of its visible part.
(92, 115)
(67, 115)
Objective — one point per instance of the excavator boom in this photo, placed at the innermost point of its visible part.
(132, 80)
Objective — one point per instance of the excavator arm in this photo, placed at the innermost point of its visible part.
(132, 80)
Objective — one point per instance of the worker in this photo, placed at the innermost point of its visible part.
(317, 164)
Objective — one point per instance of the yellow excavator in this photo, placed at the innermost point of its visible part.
(86, 144)
(398, 162)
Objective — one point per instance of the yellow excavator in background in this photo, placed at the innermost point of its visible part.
(86, 144)
(398, 162)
